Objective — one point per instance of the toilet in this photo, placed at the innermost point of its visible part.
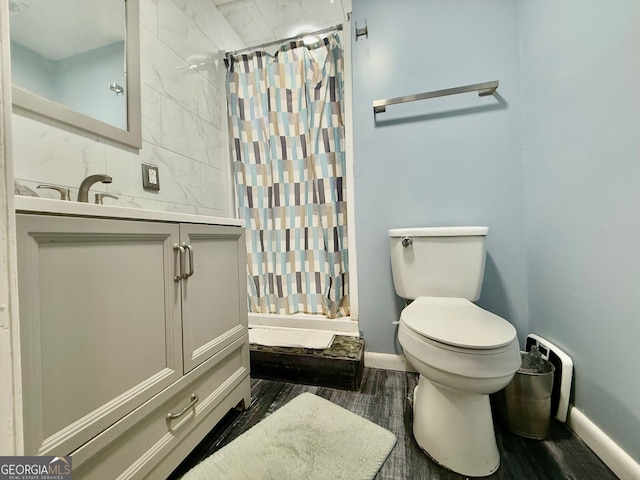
(462, 352)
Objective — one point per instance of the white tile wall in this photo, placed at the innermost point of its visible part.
(183, 121)
(247, 18)
(262, 21)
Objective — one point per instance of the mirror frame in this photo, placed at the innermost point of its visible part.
(24, 100)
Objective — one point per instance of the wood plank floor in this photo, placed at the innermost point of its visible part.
(384, 398)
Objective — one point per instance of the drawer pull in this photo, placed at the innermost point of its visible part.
(194, 400)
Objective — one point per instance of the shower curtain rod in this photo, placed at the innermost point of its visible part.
(285, 40)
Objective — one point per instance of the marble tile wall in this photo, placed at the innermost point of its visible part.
(183, 121)
(262, 21)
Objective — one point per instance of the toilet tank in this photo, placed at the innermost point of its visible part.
(438, 261)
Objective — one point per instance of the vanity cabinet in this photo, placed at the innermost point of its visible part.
(134, 338)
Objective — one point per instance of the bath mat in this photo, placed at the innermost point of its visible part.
(292, 337)
(308, 438)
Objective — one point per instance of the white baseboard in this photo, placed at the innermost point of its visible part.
(387, 361)
(619, 461)
(339, 326)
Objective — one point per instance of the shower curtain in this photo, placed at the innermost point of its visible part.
(286, 124)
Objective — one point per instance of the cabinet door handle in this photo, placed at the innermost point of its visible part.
(194, 400)
(189, 248)
(177, 278)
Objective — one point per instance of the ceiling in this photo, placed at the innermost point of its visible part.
(263, 21)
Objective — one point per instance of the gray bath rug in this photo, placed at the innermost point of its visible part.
(308, 438)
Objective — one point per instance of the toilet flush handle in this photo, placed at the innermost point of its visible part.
(407, 242)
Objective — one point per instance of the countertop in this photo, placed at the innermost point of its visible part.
(36, 205)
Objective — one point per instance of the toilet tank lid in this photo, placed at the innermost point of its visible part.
(438, 232)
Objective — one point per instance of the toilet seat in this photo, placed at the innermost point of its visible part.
(457, 323)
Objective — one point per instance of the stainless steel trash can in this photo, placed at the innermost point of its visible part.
(525, 404)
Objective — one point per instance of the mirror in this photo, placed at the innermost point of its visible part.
(78, 62)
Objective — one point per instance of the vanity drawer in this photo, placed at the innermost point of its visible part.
(132, 447)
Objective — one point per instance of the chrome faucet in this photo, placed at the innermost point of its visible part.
(83, 193)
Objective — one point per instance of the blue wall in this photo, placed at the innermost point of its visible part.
(448, 161)
(80, 82)
(32, 71)
(83, 83)
(556, 180)
(581, 132)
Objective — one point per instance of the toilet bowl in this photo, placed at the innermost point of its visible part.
(462, 353)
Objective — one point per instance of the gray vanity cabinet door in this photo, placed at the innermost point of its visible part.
(99, 322)
(214, 298)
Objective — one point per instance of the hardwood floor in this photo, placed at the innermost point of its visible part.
(383, 398)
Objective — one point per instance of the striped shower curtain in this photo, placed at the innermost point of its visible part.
(286, 122)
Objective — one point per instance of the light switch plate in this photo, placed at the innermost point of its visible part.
(150, 177)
